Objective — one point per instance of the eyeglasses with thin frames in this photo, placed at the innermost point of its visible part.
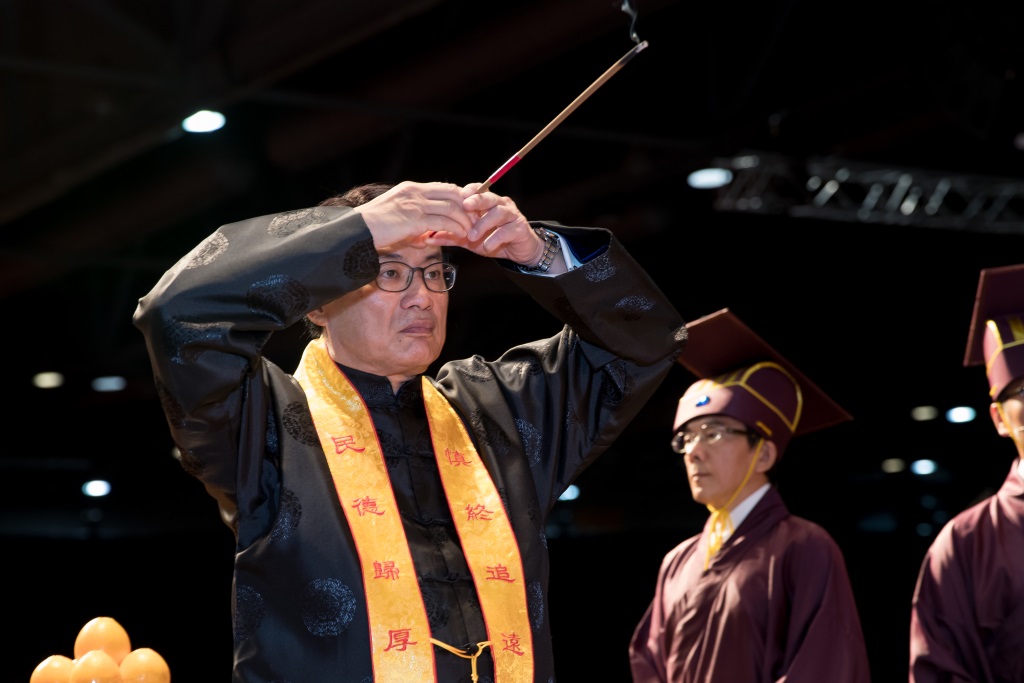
(710, 433)
(395, 276)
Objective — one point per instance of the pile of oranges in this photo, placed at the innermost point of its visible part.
(103, 654)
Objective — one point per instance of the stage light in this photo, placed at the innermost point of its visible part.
(203, 121)
(924, 413)
(97, 488)
(923, 467)
(709, 178)
(571, 493)
(960, 414)
(48, 380)
(111, 383)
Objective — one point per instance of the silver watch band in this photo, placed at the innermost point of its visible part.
(552, 247)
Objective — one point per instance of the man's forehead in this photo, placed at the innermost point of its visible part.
(412, 255)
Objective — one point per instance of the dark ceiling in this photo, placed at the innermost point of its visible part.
(873, 146)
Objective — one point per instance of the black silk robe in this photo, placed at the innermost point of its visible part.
(539, 415)
(774, 604)
(967, 617)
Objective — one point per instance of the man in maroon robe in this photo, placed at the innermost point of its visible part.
(760, 595)
(967, 614)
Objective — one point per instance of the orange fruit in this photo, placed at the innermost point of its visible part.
(103, 633)
(53, 669)
(95, 666)
(144, 665)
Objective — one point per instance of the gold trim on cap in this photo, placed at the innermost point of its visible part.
(740, 378)
(1016, 328)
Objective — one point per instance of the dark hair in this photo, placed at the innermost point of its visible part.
(1012, 388)
(357, 196)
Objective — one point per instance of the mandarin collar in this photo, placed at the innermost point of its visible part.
(376, 389)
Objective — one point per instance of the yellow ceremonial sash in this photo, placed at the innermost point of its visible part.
(399, 630)
(487, 539)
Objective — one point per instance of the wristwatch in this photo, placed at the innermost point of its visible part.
(552, 247)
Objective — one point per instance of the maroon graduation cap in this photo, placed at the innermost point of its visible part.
(996, 336)
(743, 377)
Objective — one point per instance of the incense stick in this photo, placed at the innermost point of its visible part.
(561, 117)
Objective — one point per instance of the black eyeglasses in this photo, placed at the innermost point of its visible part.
(685, 441)
(396, 276)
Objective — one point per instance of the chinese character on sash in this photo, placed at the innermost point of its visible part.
(477, 512)
(385, 570)
(512, 643)
(499, 573)
(344, 443)
(399, 639)
(455, 458)
(367, 505)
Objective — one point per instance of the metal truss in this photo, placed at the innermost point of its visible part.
(838, 190)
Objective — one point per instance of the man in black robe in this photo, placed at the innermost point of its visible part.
(389, 526)
(760, 595)
(967, 614)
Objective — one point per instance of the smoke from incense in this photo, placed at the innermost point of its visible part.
(628, 8)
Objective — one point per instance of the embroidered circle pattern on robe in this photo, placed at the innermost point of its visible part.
(438, 610)
(610, 394)
(410, 395)
(278, 298)
(270, 433)
(530, 436)
(598, 269)
(378, 394)
(488, 431)
(437, 533)
(392, 448)
(328, 607)
(475, 371)
(572, 420)
(249, 611)
(523, 368)
(535, 604)
(205, 252)
(298, 423)
(187, 340)
(289, 223)
(632, 308)
(619, 386)
(288, 515)
(361, 262)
